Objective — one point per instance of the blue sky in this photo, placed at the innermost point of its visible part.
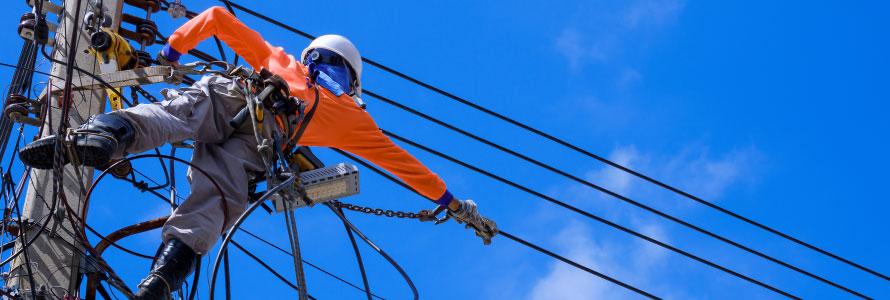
(776, 111)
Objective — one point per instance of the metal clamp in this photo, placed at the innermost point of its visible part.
(198, 68)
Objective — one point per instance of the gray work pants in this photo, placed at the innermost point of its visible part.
(201, 113)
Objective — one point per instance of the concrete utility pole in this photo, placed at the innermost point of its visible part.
(55, 258)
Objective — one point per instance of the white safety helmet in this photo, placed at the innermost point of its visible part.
(343, 47)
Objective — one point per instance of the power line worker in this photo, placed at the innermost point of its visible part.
(202, 112)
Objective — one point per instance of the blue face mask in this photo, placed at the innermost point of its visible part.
(335, 78)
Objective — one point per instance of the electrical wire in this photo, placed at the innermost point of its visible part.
(376, 248)
(126, 100)
(91, 75)
(533, 246)
(237, 224)
(80, 70)
(22, 77)
(22, 233)
(616, 195)
(591, 216)
(86, 198)
(358, 257)
(66, 106)
(262, 263)
(308, 263)
(573, 147)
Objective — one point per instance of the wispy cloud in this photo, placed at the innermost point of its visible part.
(653, 13)
(629, 76)
(577, 48)
(613, 178)
(600, 31)
(694, 168)
(565, 282)
(708, 175)
(635, 261)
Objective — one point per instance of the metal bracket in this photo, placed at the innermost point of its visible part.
(49, 7)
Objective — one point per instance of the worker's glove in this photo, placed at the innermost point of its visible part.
(169, 56)
(467, 213)
(175, 78)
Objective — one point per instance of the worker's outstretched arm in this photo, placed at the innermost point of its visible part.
(370, 144)
(218, 21)
(367, 141)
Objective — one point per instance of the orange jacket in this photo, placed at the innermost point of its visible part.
(338, 122)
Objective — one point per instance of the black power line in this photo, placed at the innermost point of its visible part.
(570, 146)
(306, 262)
(613, 194)
(530, 245)
(257, 259)
(574, 264)
(589, 215)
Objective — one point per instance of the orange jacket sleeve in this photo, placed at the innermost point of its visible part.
(337, 122)
(217, 21)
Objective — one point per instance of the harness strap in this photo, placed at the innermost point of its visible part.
(306, 119)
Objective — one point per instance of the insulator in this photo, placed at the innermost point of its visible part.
(27, 16)
(18, 108)
(12, 229)
(26, 28)
(176, 10)
(102, 20)
(148, 30)
(122, 170)
(144, 59)
(151, 6)
(15, 99)
(48, 7)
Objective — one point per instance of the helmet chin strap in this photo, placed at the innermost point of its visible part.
(358, 101)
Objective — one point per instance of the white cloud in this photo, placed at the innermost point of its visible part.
(598, 32)
(637, 262)
(576, 48)
(629, 76)
(613, 178)
(650, 254)
(653, 12)
(694, 169)
(697, 171)
(566, 282)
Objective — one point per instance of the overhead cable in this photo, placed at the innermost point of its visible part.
(613, 194)
(571, 146)
(262, 263)
(589, 215)
(308, 263)
(376, 248)
(533, 246)
(358, 257)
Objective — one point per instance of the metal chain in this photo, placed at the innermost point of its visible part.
(145, 94)
(423, 215)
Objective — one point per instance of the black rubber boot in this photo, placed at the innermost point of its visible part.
(172, 266)
(95, 141)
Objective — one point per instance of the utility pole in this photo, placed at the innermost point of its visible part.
(55, 256)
